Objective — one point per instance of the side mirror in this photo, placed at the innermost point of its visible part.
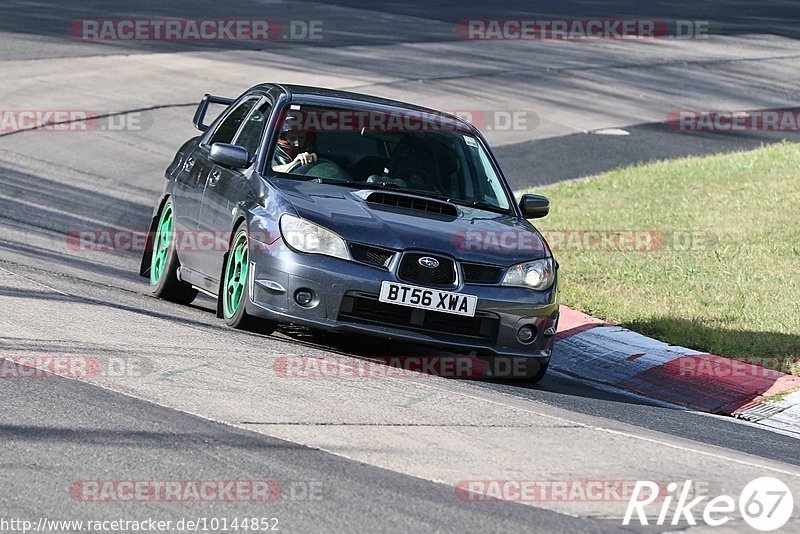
(231, 156)
(534, 206)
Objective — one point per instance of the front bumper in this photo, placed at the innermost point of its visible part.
(345, 299)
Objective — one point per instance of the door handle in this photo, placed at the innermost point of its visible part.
(188, 164)
(214, 177)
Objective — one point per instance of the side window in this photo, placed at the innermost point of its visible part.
(249, 136)
(230, 125)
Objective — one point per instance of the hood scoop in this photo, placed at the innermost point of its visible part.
(425, 205)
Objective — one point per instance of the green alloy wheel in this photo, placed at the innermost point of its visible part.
(234, 288)
(235, 274)
(164, 262)
(161, 244)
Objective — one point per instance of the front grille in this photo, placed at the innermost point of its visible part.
(413, 203)
(411, 271)
(369, 310)
(375, 256)
(476, 273)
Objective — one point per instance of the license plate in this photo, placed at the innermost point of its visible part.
(428, 299)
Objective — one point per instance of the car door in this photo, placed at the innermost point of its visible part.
(187, 195)
(225, 187)
(189, 188)
(191, 182)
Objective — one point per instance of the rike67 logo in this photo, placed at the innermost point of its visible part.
(765, 504)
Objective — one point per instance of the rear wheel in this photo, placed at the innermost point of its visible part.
(235, 291)
(164, 263)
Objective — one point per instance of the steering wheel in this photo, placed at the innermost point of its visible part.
(296, 164)
(321, 168)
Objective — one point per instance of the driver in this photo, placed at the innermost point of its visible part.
(296, 153)
(294, 146)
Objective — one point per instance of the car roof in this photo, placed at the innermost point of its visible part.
(322, 95)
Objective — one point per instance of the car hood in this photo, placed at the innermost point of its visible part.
(472, 235)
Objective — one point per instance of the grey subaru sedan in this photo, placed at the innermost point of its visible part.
(354, 214)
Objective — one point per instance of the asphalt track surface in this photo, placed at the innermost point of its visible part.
(204, 402)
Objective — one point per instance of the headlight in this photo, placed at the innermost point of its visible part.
(305, 236)
(538, 275)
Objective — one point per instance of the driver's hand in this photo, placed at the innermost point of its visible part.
(306, 157)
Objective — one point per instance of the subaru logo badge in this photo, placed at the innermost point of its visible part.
(430, 263)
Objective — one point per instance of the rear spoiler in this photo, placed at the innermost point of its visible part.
(200, 114)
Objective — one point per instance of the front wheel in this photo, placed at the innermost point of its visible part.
(539, 374)
(234, 291)
(164, 263)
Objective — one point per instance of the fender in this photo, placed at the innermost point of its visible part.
(147, 255)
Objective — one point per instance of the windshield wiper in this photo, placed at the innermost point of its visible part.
(332, 181)
(351, 183)
(480, 204)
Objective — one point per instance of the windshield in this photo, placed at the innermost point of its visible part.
(419, 153)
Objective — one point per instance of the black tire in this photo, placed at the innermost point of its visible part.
(168, 286)
(539, 374)
(240, 319)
